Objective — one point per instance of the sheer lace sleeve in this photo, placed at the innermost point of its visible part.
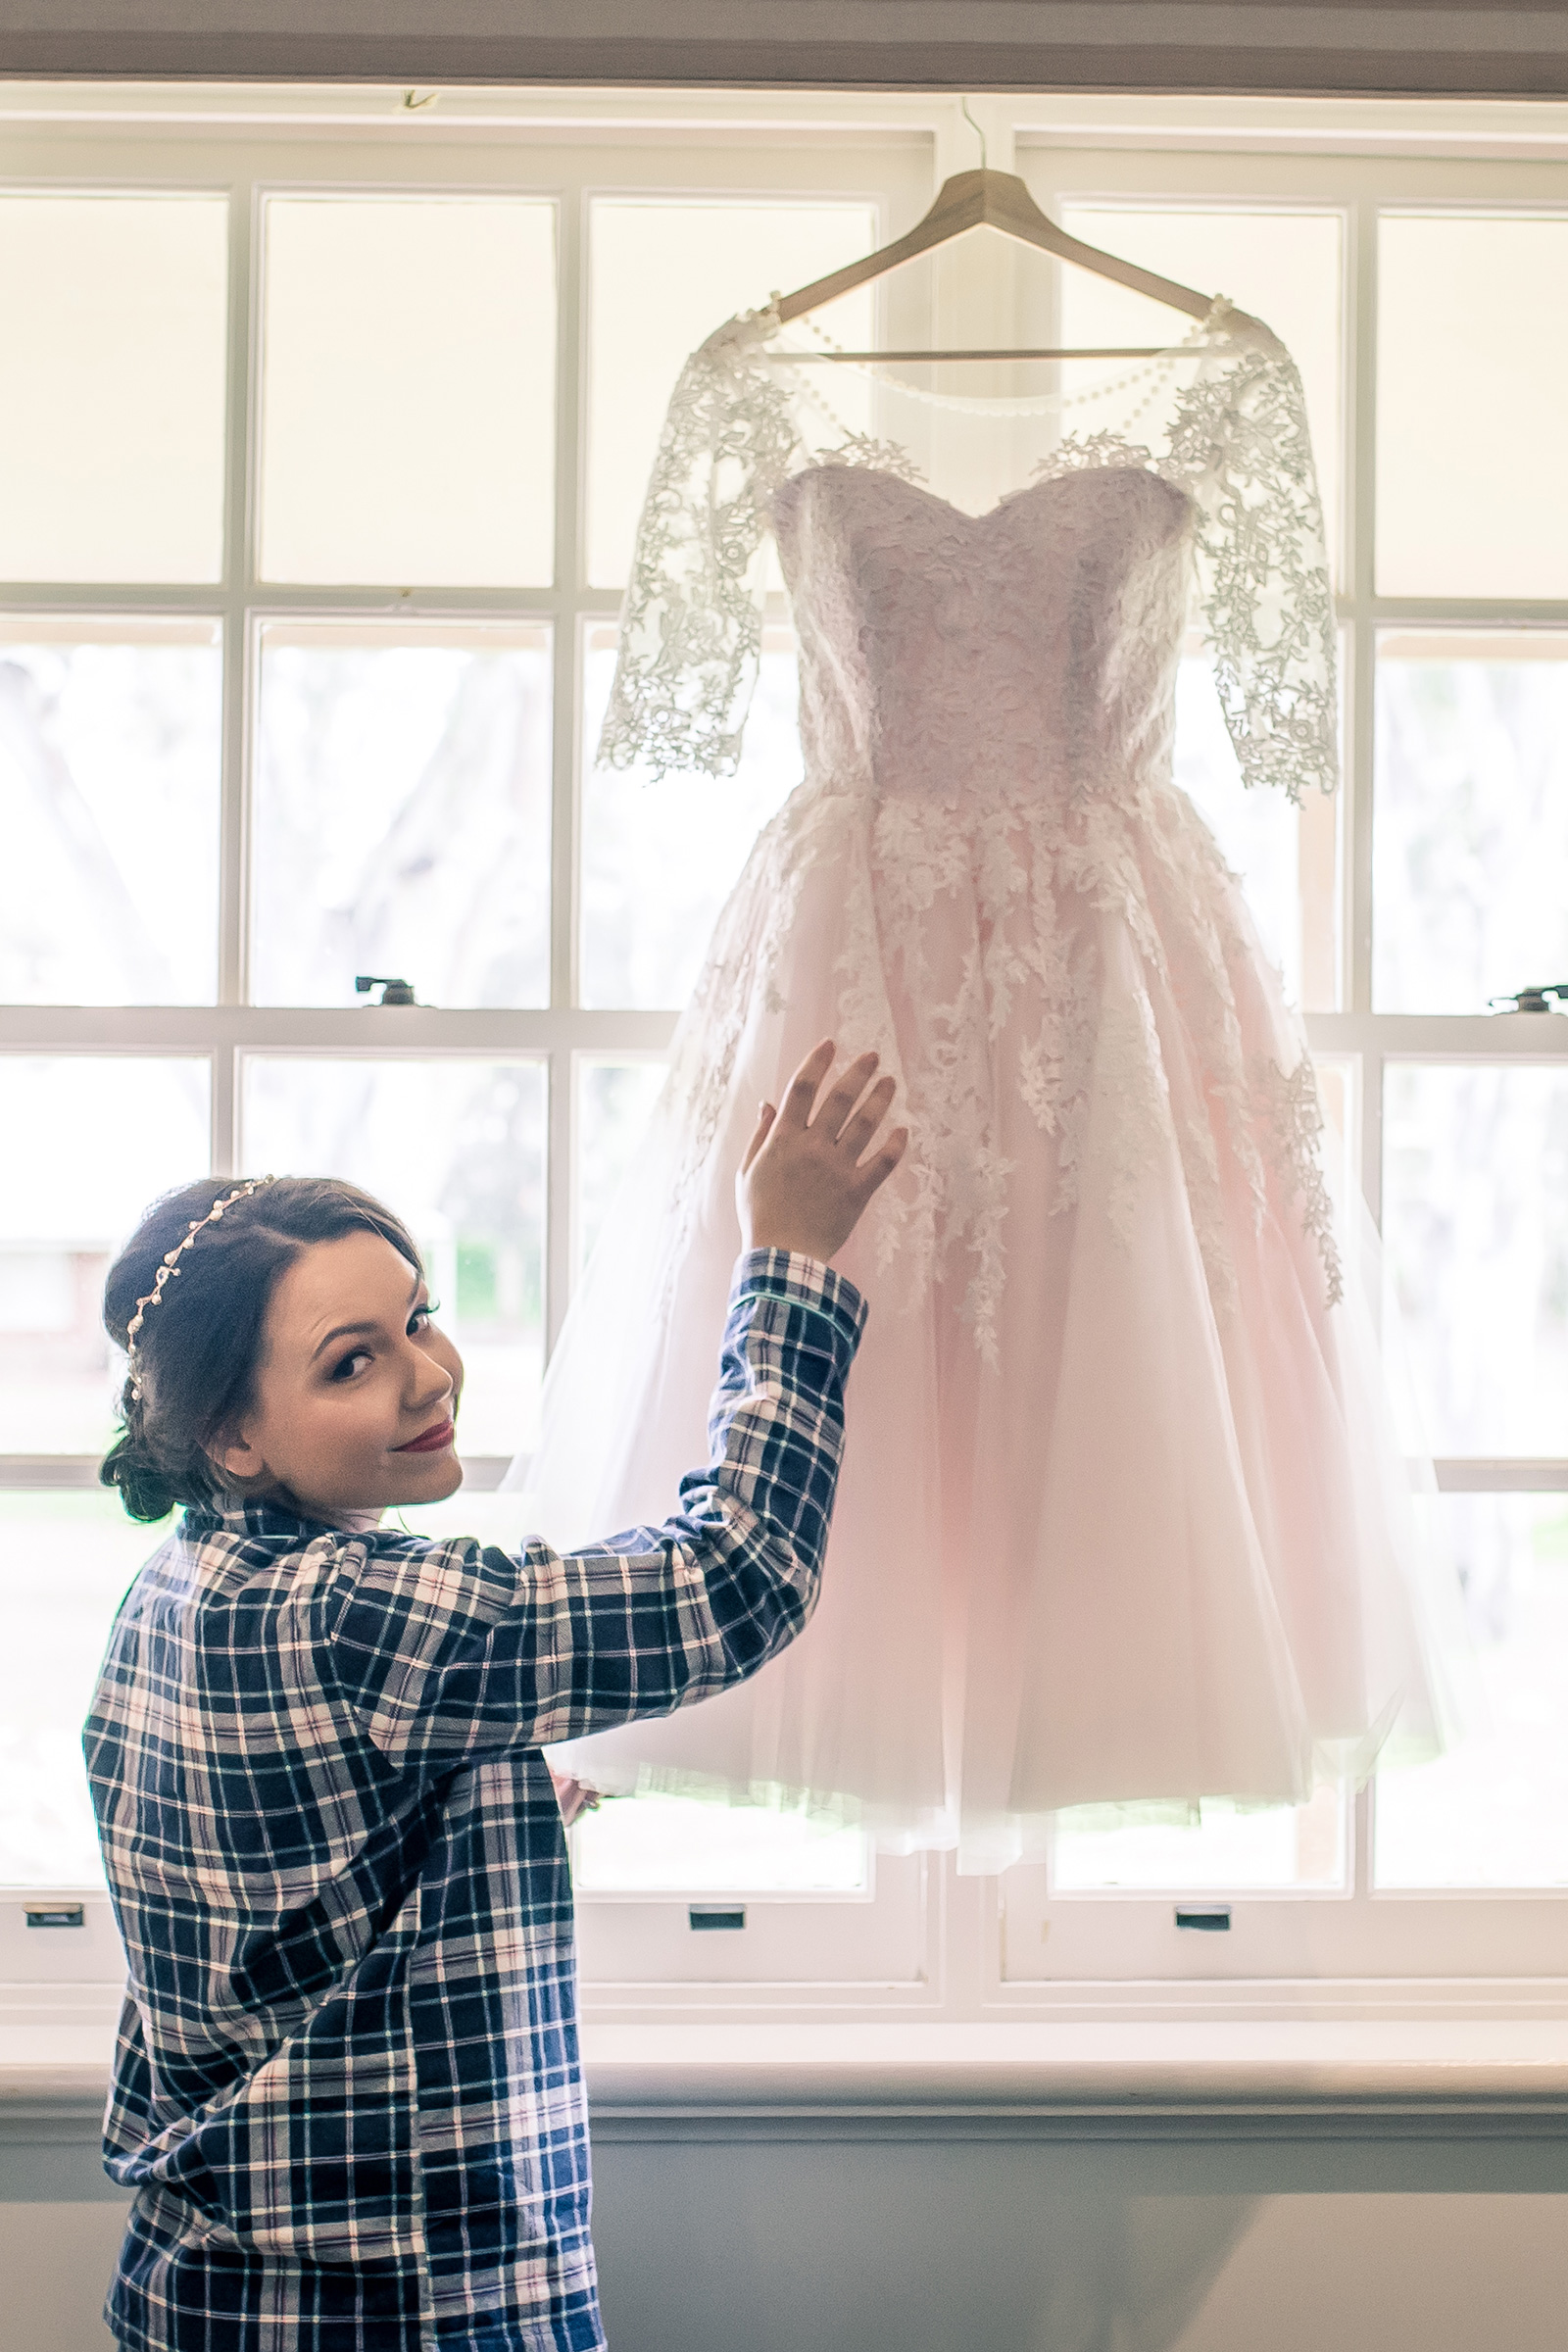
(690, 627)
(1240, 447)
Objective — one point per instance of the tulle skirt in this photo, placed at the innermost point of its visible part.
(1123, 1519)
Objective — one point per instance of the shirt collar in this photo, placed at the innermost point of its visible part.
(237, 1515)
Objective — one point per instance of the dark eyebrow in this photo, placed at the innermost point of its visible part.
(345, 1330)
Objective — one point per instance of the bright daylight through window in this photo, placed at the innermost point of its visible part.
(266, 728)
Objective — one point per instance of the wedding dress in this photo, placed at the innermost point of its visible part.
(1121, 1518)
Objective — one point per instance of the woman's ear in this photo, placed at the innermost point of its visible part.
(237, 1460)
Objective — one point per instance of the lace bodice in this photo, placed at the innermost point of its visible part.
(1025, 653)
(1031, 648)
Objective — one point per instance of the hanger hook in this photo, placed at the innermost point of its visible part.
(963, 109)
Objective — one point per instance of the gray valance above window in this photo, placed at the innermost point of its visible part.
(1394, 47)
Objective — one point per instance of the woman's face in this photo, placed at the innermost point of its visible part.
(356, 1392)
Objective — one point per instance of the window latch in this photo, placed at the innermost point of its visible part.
(393, 992)
(1547, 996)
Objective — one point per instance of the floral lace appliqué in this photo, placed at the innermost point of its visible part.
(883, 457)
(691, 628)
(1295, 1116)
(1240, 447)
(1076, 455)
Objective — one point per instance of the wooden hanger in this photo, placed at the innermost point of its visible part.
(991, 199)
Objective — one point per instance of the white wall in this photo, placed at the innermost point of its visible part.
(820, 2246)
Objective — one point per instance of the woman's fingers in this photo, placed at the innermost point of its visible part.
(843, 1095)
(881, 1164)
(801, 1090)
(864, 1122)
(766, 1117)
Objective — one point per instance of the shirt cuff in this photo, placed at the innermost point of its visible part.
(789, 1274)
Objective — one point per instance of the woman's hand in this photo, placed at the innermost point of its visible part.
(804, 1180)
(574, 1798)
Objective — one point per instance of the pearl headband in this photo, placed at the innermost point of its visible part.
(171, 1267)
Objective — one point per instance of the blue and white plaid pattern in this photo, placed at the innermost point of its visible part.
(347, 2089)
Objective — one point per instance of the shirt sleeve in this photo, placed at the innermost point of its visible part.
(691, 626)
(449, 1651)
(1241, 447)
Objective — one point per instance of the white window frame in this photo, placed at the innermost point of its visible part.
(928, 1943)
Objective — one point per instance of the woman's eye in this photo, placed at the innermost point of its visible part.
(419, 1319)
(347, 1368)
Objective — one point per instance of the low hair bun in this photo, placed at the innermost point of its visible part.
(147, 1491)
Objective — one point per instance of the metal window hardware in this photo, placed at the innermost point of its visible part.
(1545, 997)
(1207, 1923)
(706, 1919)
(393, 992)
(55, 1914)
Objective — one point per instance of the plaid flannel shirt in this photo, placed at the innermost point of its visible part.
(347, 2089)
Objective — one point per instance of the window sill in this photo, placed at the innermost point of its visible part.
(1080, 2071)
(1389, 2074)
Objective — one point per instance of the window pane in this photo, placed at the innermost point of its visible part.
(90, 1143)
(1285, 267)
(1475, 1226)
(110, 755)
(1228, 1850)
(457, 1149)
(65, 1561)
(660, 859)
(1472, 355)
(615, 1103)
(679, 1846)
(662, 276)
(402, 814)
(1470, 833)
(111, 373)
(408, 391)
(1494, 1813)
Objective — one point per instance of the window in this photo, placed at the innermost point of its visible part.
(321, 470)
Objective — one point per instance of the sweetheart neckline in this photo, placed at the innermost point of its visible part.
(1008, 500)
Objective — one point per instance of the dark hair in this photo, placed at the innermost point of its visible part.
(197, 1349)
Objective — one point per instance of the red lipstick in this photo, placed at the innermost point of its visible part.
(430, 1441)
